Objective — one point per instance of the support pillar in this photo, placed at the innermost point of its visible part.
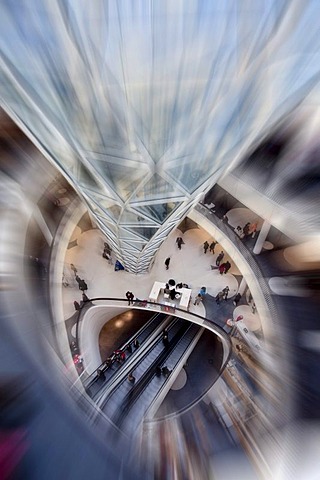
(262, 237)
(42, 225)
(242, 286)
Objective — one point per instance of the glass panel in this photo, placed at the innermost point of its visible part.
(86, 179)
(146, 232)
(159, 211)
(156, 188)
(124, 177)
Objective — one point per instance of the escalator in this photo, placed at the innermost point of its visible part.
(108, 369)
(125, 398)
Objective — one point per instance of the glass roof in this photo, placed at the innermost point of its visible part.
(145, 103)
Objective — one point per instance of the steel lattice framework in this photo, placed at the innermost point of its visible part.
(143, 105)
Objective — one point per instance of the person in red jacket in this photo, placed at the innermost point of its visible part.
(222, 268)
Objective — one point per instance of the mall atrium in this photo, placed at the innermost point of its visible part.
(159, 243)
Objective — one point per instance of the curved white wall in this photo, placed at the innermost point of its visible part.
(96, 317)
(91, 324)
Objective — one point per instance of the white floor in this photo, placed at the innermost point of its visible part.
(189, 265)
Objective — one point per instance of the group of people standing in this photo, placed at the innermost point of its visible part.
(224, 267)
(82, 286)
(210, 246)
(248, 230)
(223, 295)
(200, 296)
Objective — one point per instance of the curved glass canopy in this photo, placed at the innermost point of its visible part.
(143, 105)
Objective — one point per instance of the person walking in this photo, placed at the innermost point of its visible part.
(253, 229)
(84, 299)
(165, 337)
(236, 299)
(205, 246)
(219, 297)
(165, 371)
(212, 246)
(179, 242)
(107, 249)
(173, 293)
(119, 355)
(130, 297)
(73, 268)
(219, 258)
(167, 263)
(222, 268)
(227, 266)
(246, 229)
(225, 291)
(76, 305)
(198, 299)
(203, 291)
(83, 286)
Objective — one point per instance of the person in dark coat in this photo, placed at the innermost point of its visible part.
(136, 343)
(100, 374)
(237, 299)
(165, 371)
(227, 266)
(83, 286)
(107, 249)
(219, 258)
(165, 337)
(130, 297)
(219, 297)
(225, 291)
(76, 305)
(212, 246)
(172, 294)
(179, 242)
(167, 263)
(205, 246)
(246, 229)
